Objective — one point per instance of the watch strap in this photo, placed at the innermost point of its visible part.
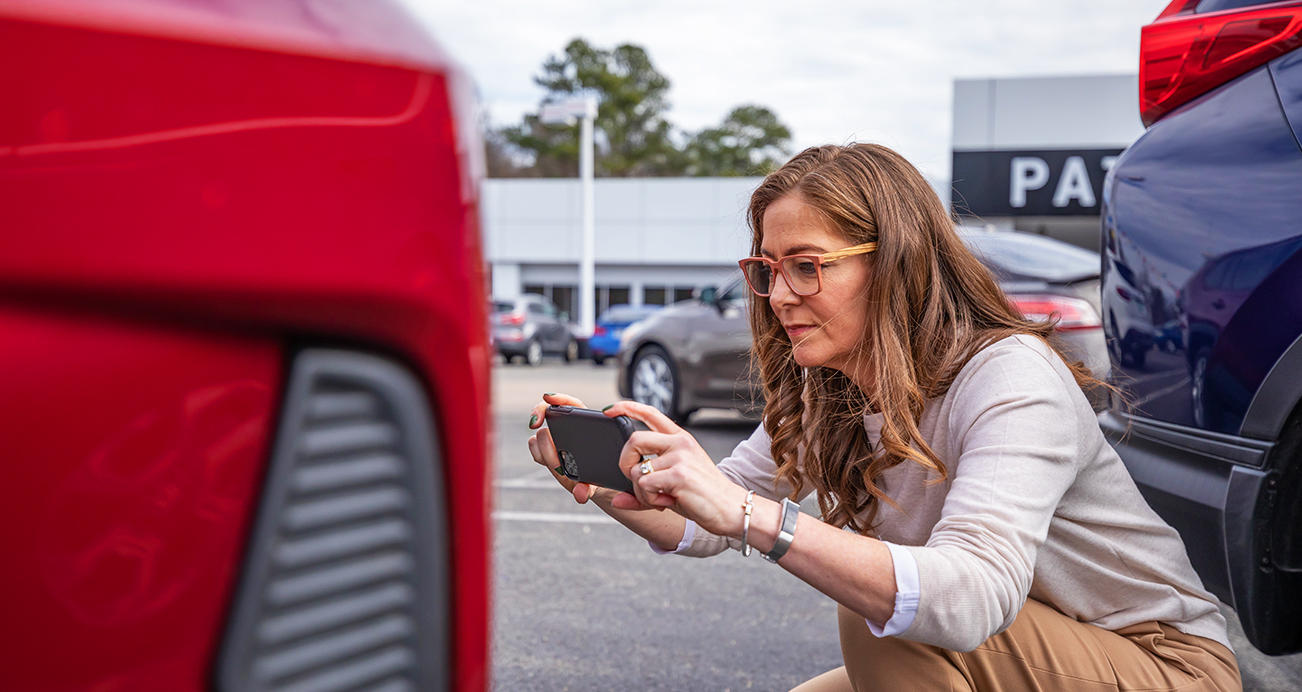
(787, 532)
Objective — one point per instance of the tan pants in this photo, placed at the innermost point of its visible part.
(1043, 650)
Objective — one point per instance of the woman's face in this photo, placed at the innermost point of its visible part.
(827, 327)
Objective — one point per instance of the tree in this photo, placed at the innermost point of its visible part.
(632, 135)
(751, 141)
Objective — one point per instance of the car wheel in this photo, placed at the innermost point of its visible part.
(571, 353)
(1198, 389)
(655, 383)
(533, 353)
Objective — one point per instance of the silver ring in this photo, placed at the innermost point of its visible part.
(646, 468)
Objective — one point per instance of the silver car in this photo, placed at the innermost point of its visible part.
(528, 326)
(696, 354)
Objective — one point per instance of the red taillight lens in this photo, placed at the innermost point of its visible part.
(513, 318)
(1072, 313)
(1183, 56)
(599, 331)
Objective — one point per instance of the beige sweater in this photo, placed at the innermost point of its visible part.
(1036, 503)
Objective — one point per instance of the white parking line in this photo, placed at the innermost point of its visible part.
(527, 483)
(554, 517)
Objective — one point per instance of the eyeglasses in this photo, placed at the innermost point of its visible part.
(803, 273)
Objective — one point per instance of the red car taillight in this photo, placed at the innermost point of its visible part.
(1184, 55)
(515, 319)
(599, 331)
(1073, 313)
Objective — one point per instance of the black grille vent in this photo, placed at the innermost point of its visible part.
(345, 587)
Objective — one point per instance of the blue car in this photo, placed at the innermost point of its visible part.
(610, 328)
(1202, 300)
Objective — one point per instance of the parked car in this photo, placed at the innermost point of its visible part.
(1201, 248)
(244, 361)
(529, 326)
(610, 328)
(696, 354)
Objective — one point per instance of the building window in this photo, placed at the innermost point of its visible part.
(566, 299)
(606, 296)
(618, 295)
(682, 293)
(653, 295)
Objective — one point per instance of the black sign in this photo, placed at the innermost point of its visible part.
(1030, 183)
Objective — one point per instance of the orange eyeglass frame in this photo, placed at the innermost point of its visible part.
(776, 267)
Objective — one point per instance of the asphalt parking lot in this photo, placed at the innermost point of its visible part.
(582, 604)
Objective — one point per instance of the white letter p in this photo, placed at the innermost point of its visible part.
(1029, 173)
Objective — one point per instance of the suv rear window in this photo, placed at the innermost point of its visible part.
(503, 306)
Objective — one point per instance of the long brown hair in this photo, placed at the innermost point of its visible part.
(931, 306)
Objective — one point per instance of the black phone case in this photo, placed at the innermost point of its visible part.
(588, 443)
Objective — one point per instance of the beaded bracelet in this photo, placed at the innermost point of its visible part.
(749, 507)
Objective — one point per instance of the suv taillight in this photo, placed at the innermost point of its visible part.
(1073, 313)
(1184, 55)
(513, 318)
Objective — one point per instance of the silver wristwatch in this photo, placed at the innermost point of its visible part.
(790, 514)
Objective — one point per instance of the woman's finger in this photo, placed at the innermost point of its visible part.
(534, 451)
(650, 415)
(547, 449)
(584, 492)
(653, 492)
(642, 443)
(539, 414)
(626, 501)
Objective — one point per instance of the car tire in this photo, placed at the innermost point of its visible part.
(533, 353)
(599, 360)
(653, 381)
(571, 352)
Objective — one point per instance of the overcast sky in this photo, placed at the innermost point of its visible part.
(833, 70)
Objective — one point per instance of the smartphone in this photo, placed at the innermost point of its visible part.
(588, 443)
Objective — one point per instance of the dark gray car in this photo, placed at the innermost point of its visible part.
(696, 354)
(528, 326)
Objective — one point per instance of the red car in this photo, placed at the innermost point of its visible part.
(244, 368)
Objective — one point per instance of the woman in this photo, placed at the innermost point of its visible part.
(995, 540)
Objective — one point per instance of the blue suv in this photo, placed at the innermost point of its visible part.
(1202, 300)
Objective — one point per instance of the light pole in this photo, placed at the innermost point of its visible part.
(584, 110)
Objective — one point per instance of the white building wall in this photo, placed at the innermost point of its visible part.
(639, 221)
(650, 232)
(1089, 112)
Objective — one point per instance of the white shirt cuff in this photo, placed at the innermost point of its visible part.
(689, 532)
(907, 588)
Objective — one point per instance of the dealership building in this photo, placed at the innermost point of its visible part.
(1028, 153)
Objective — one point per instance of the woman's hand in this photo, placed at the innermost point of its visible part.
(682, 476)
(543, 449)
